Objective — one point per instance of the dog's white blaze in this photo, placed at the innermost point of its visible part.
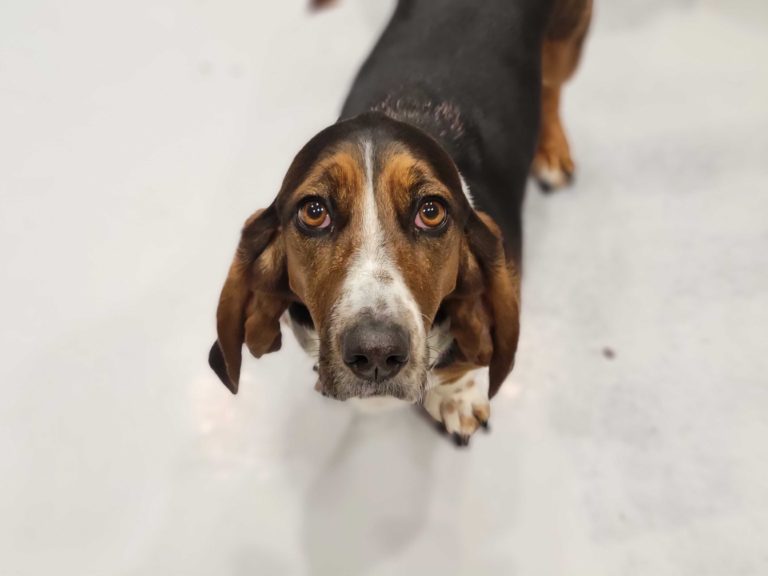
(373, 281)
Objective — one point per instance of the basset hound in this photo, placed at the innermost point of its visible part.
(393, 246)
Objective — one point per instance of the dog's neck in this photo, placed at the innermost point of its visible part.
(440, 119)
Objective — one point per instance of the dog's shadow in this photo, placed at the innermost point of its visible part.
(370, 499)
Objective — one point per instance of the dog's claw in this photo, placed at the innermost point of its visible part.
(461, 440)
(545, 187)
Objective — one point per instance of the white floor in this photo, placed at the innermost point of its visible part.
(135, 137)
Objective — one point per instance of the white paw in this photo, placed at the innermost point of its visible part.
(462, 407)
(553, 166)
(552, 178)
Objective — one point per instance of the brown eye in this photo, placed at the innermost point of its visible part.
(313, 215)
(431, 215)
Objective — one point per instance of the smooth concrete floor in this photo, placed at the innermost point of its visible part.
(135, 138)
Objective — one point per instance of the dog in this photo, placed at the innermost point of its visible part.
(393, 247)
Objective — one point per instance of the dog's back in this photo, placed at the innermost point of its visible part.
(469, 73)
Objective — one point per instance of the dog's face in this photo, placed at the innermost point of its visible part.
(372, 246)
(373, 235)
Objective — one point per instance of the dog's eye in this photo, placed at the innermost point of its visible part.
(313, 214)
(431, 214)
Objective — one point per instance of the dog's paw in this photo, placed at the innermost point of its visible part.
(462, 407)
(553, 166)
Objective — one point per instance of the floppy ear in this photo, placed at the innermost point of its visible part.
(485, 307)
(254, 297)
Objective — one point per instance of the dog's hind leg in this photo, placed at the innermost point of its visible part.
(553, 166)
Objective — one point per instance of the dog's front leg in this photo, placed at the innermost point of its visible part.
(461, 405)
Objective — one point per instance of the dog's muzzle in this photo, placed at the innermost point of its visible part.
(375, 351)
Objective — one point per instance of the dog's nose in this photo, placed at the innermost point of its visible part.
(375, 350)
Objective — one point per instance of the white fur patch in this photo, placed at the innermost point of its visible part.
(306, 336)
(438, 341)
(552, 177)
(467, 191)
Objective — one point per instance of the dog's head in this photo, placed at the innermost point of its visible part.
(372, 234)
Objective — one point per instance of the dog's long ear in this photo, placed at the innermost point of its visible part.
(485, 307)
(253, 298)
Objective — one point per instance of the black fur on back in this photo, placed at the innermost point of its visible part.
(467, 72)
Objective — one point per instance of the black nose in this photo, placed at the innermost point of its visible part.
(375, 350)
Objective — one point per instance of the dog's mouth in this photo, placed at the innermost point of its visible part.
(337, 381)
(381, 361)
(368, 389)
(372, 352)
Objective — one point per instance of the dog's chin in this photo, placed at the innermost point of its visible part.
(377, 404)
